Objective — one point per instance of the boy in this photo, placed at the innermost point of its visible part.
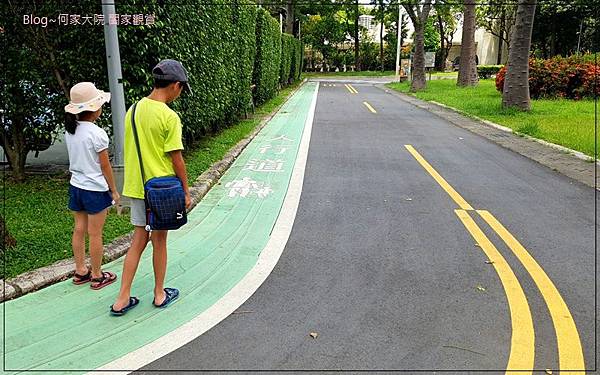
(159, 131)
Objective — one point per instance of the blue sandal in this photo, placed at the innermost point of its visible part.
(171, 295)
(133, 302)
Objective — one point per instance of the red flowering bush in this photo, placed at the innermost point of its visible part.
(591, 81)
(559, 77)
(500, 79)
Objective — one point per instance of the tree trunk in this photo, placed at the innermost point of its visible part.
(356, 45)
(289, 17)
(17, 161)
(467, 71)
(15, 148)
(440, 58)
(501, 37)
(8, 240)
(419, 79)
(401, 27)
(418, 16)
(499, 56)
(516, 84)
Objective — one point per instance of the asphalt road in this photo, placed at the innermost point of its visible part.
(381, 267)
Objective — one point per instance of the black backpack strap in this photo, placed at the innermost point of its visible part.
(137, 142)
(137, 146)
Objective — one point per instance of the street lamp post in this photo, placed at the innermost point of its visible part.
(398, 46)
(113, 64)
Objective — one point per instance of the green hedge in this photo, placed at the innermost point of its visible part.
(268, 56)
(286, 58)
(291, 59)
(487, 71)
(226, 47)
(245, 20)
(215, 42)
(296, 68)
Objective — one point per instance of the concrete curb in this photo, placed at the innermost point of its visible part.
(64, 269)
(570, 163)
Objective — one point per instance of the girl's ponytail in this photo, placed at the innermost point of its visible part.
(71, 123)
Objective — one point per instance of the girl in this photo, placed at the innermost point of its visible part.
(92, 187)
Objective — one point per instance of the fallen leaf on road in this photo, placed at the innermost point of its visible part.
(481, 288)
(314, 335)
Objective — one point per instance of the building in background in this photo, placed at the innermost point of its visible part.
(372, 27)
(486, 45)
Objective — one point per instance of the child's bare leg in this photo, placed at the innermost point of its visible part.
(132, 259)
(159, 261)
(94, 229)
(78, 242)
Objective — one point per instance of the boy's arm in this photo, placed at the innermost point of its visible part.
(179, 167)
(108, 174)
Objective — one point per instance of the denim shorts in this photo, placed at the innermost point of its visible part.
(91, 202)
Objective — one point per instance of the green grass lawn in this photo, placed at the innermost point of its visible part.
(569, 123)
(366, 73)
(445, 74)
(37, 216)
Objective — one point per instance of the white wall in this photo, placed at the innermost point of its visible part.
(487, 44)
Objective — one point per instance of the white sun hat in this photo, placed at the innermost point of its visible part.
(86, 97)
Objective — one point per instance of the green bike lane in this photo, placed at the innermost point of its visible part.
(67, 327)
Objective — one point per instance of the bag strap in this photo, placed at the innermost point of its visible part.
(137, 143)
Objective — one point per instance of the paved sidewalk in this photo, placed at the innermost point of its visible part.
(67, 327)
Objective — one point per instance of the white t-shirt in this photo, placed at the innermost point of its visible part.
(84, 163)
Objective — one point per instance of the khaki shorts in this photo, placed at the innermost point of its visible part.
(138, 212)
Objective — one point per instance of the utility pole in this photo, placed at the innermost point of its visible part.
(398, 47)
(113, 64)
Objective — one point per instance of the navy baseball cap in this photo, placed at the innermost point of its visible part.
(171, 70)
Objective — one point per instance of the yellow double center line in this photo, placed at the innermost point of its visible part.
(370, 107)
(522, 351)
(351, 89)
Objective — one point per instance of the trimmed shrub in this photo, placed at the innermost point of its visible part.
(268, 56)
(287, 51)
(591, 81)
(244, 18)
(296, 66)
(500, 77)
(487, 71)
(559, 77)
(291, 57)
(369, 56)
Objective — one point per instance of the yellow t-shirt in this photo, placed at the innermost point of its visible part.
(159, 132)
